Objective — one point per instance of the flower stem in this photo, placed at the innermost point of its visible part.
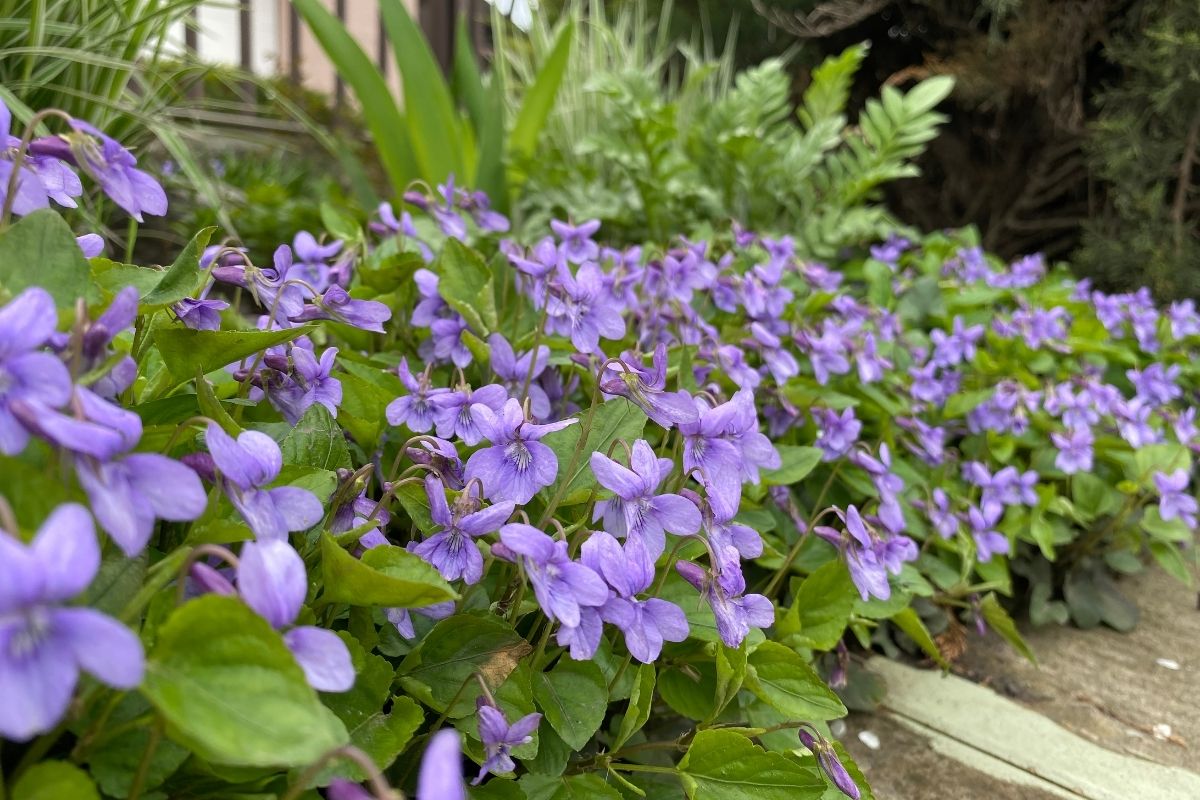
(379, 785)
(584, 431)
(143, 769)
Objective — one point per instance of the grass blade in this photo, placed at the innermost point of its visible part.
(387, 125)
(540, 98)
(432, 121)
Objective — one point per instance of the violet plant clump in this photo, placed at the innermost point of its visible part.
(412, 503)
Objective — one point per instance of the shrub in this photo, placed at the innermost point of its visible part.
(655, 140)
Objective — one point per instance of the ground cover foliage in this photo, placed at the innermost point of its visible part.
(593, 503)
(603, 520)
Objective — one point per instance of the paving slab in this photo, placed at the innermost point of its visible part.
(1110, 687)
(991, 727)
(1103, 716)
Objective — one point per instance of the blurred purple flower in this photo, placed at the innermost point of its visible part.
(27, 375)
(45, 644)
(577, 245)
(246, 465)
(113, 167)
(1174, 501)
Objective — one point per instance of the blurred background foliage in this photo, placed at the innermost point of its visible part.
(1073, 123)
(1073, 127)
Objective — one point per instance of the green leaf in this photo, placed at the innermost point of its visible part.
(212, 408)
(40, 250)
(784, 680)
(340, 223)
(465, 283)
(690, 691)
(539, 99)
(231, 691)
(115, 760)
(486, 108)
(928, 93)
(1170, 559)
(1174, 530)
(415, 502)
(118, 581)
(797, 463)
(574, 698)
(385, 576)
(567, 787)
(432, 123)
(1159, 458)
(731, 666)
(722, 765)
(999, 621)
(911, 623)
(316, 441)
(362, 409)
(451, 654)
(615, 419)
(379, 110)
(641, 700)
(958, 405)
(1092, 496)
(821, 608)
(185, 351)
(184, 278)
(54, 780)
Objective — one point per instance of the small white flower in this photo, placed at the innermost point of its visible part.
(519, 11)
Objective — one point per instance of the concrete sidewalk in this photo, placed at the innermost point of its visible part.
(1106, 716)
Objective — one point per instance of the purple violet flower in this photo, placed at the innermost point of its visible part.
(452, 549)
(516, 372)
(1156, 383)
(113, 167)
(988, 541)
(577, 245)
(645, 623)
(452, 411)
(1174, 501)
(415, 409)
(271, 580)
(311, 381)
(516, 464)
(646, 387)
(561, 585)
(200, 315)
(499, 738)
(735, 612)
(1074, 450)
(90, 244)
(45, 644)
(647, 514)
(585, 310)
(27, 375)
(246, 465)
(836, 433)
(337, 305)
(830, 764)
(440, 776)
